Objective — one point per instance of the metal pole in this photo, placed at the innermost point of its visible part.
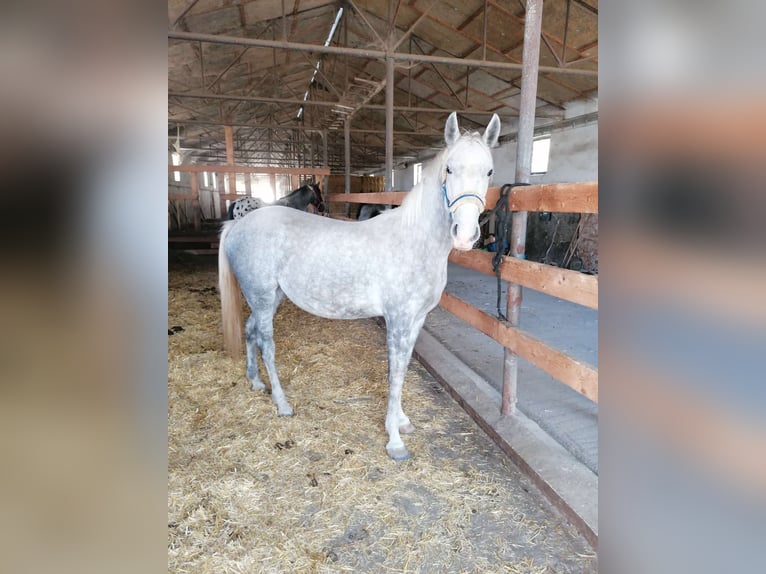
(333, 104)
(368, 54)
(347, 140)
(389, 122)
(530, 59)
(325, 163)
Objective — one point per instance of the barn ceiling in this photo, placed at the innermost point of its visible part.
(247, 64)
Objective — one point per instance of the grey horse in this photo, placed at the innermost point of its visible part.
(393, 265)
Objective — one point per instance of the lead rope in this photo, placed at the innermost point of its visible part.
(502, 230)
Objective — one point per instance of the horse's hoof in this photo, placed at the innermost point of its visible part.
(407, 429)
(398, 454)
(258, 386)
(286, 413)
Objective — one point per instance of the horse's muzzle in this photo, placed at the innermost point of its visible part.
(465, 226)
(461, 242)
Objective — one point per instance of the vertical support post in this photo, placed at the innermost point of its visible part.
(326, 179)
(484, 33)
(389, 121)
(231, 177)
(347, 146)
(530, 61)
(195, 201)
(284, 22)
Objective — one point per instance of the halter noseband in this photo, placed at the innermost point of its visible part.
(460, 199)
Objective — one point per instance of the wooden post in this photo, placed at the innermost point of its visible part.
(389, 122)
(530, 62)
(325, 163)
(347, 140)
(231, 177)
(273, 183)
(195, 201)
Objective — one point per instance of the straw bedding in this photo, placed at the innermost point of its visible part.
(252, 492)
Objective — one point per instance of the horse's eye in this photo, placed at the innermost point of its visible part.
(449, 170)
(489, 173)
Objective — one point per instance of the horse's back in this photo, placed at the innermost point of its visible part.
(330, 267)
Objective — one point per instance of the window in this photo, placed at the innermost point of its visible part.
(418, 173)
(176, 158)
(206, 181)
(541, 149)
(392, 180)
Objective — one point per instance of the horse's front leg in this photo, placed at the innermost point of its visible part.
(400, 344)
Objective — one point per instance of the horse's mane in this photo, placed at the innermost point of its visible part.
(413, 206)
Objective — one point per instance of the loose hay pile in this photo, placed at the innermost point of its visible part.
(251, 492)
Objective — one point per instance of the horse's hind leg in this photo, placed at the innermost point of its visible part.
(252, 354)
(264, 338)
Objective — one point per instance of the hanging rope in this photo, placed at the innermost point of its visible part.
(502, 236)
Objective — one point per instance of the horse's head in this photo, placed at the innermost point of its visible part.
(316, 197)
(465, 178)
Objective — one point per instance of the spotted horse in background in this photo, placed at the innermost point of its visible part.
(301, 198)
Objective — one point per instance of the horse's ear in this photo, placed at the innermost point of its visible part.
(492, 133)
(451, 130)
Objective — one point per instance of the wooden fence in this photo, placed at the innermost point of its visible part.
(562, 283)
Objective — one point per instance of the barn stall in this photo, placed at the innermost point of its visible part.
(250, 491)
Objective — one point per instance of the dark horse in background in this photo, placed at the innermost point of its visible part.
(301, 198)
(370, 210)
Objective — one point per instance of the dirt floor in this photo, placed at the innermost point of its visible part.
(252, 492)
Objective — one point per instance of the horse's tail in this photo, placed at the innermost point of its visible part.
(231, 311)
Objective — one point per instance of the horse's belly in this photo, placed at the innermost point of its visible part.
(335, 302)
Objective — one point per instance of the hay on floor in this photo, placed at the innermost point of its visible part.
(252, 492)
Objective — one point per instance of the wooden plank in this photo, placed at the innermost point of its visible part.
(562, 283)
(555, 197)
(575, 374)
(198, 168)
(181, 196)
(380, 198)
